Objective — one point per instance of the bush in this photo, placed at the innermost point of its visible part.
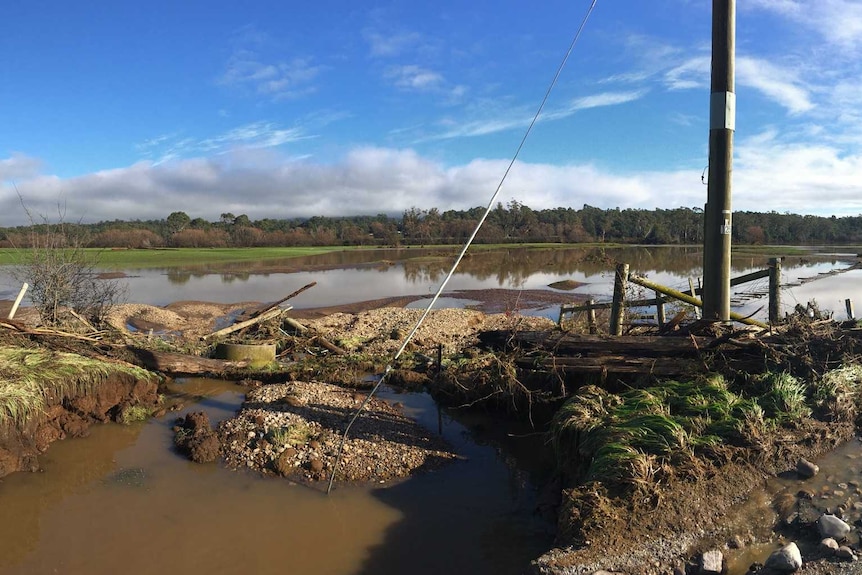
(62, 274)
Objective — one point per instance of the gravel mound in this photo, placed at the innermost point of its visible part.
(383, 330)
(293, 429)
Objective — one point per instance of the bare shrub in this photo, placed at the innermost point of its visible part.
(62, 273)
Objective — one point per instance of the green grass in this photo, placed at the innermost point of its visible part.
(294, 435)
(135, 413)
(630, 437)
(176, 257)
(31, 376)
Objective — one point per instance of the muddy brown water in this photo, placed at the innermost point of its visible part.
(839, 482)
(122, 500)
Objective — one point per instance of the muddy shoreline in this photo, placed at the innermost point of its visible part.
(655, 532)
(71, 416)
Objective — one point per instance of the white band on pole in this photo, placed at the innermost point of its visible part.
(722, 111)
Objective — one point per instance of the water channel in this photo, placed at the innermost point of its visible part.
(122, 500)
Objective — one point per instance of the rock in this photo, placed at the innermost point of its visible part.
(805, 494)
(831, 526)
(845, 553)
(808, 512)
(828, 546)
(806, 469)
(787, 559)
(711, 562)
(736, 542)
(315, 465)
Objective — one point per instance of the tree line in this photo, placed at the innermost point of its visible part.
(510, 223)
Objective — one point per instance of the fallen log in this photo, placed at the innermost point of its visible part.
(563, 343)
(271, 314)
(325, 343)
(274, 305)
(613, 364)
(181, 364)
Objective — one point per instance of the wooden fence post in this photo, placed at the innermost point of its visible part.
(18, 300)
(617, 309)
(774, 290)
(659, 310)
(848, 303)
(591, 316)
(694, 294)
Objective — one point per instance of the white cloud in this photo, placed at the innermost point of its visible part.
(775, 82)
(837, 22)
(797, 177)
(293, 78)
(414, 77)
(693, 73)
(19, 166)
(769, 174)
(520, 118)
(168, 147)
(384, 46)
(604, 99)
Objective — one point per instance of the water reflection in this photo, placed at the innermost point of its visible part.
(351, 276)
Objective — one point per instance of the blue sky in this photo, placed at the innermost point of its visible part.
(130, 110)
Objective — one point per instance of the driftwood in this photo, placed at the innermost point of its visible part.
(563, 344)
(296, 325)
(325, 343)
(614, 364)
(272, 306)
(181, 364)
(319, 339)
(19, 327)
(271, 314)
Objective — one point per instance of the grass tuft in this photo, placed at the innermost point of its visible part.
(635, 437)
(32, 377)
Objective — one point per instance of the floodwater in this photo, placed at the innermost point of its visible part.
(352, 276)
(837, 484)
(122, 501)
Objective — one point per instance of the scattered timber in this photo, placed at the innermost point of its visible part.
(267, 315)
(804, 346)
(690, 300)
(617, 364)
(274, 305)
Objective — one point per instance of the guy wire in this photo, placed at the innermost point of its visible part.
(442, 287)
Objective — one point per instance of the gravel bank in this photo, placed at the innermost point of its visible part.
(293, 429)
(381, 331)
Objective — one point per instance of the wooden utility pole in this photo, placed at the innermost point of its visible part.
(722, 123)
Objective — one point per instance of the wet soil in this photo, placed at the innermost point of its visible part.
(71, 416)
(652, 530)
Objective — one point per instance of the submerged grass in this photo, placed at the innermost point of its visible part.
(634, 437)
(32, 376)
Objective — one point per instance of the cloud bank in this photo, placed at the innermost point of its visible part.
(372, 180)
